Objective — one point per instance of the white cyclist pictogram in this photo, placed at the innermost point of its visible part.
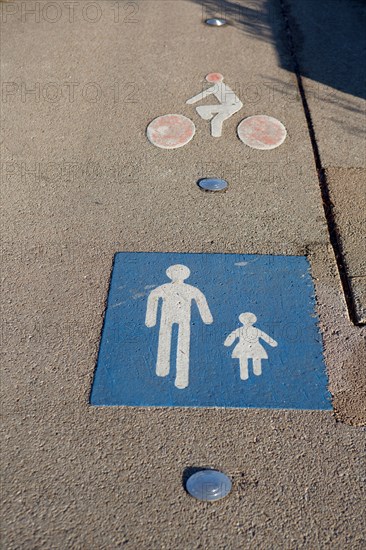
(173, 131)
(228, 105)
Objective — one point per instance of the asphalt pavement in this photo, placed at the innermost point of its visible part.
(81, 182)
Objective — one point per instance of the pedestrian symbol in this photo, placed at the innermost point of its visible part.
(177, 298)
(210, 330)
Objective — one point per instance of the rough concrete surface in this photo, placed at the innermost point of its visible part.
(80, 182)
(347, 191)
(344, 343)
(330, 51)
(330, 41)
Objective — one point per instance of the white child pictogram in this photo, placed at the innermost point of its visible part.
(248, 346)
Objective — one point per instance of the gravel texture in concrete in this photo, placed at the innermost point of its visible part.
(81, 182)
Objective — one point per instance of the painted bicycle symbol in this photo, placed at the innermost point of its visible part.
(175, 130)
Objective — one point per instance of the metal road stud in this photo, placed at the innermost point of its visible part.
(212, 184)
(216, 22)
(208, 485)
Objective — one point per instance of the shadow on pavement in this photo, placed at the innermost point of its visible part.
(328, 35)
(323, 43)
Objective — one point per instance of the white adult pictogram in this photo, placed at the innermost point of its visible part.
(248, 346)
(177, 298)
(229, 103)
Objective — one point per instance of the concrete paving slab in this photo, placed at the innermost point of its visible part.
(344, 343)
(347, 191)
(330, 50)
(158, 186)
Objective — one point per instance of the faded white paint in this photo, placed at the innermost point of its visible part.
(229, 103)
(262, 132)
(177, 298)
(170, 131)
(248, 346)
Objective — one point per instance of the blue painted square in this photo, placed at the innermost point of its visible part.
(213, 356)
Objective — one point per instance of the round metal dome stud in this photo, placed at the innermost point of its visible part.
(216, 22)
(212, 184)
(208, 485)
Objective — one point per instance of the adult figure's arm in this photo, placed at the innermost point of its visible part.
(152, 308)
(203, 307)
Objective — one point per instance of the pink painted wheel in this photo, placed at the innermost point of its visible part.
(170, 131)
(262, 132)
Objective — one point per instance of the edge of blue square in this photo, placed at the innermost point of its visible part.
(278, 290)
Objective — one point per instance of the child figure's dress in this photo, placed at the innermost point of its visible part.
(248, 346)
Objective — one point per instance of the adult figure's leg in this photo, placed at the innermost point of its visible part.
(164, 347)
(183, 348)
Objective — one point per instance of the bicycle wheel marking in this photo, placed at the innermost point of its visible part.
(170, 131)
(262, 132)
